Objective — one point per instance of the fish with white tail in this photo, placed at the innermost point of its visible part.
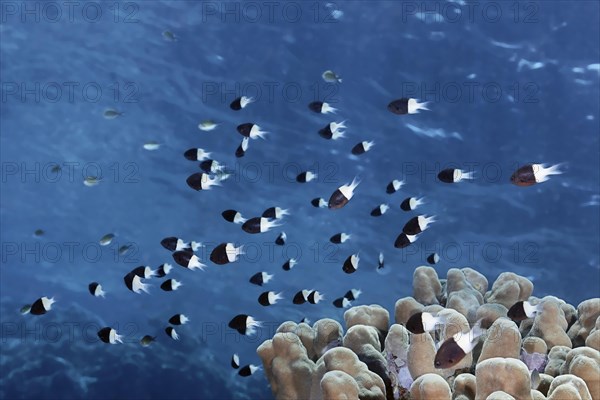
(269, 298)
(135, 284)
(241, 102)
(321, 107)
(522, 310)
(203, 181)
(289, 264)
(173, 243)
(244, 324)
(95, 289)
(233, 216)
(394, 186)
(403, 240)
(305, 177)
(333, 130)
(251, 130)
(260, 278)
(405, 106)
(342, 195)
(319, 202)
(170, 285)
(351, 264)
(178, 319)
(531, 174)
(362, 147)
(259, 225)
(225, 253)
(170, 331)
(42, 305)
(454, 349)
(380, 210)
(242, 148)
(144, 272)
(109, 335)
(275, 212)
(339, 238)
(163, 270)
(197, 154)
(411, 203)
(188, 260)
(454, 175)
(418, 224)
(422, 322)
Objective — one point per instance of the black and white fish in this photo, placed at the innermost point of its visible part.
(235, 361)
(418, 224)
(433, 258)
(144, 272)
(260, 278)
(321, 107)
(289, 264)
(241, 102)
(333, 130)
(259, 225)
(244, 324)
(353, 294)
(411, 203)
(394, 186)
(422, 322)
(170, 285)
(314, 297)
(531, 174)
(275, 213)
(351, 264)
(403, 240)
(342, 302)
(188, 260)
(248, 370)
(173, 243)
(269, 298)
(306, 176)
(147, 340)
(197, 154)
(135, 284)
(405, 106)
(454, 349)
(523, 310)
(346, 300)
(362, 147)
(339, 238)
(163, 270)
(280, 240)
(251, 130)
(242, 148)
(170, 331)
(301, 296)
(454, 175)
(342, 195)
(109, 335)
(380, 210)
(319, 202)
(96, 289)
(233, 216)
(42, 305)
(211, 167)
(225, 253)
(203, 181)
(178, 319)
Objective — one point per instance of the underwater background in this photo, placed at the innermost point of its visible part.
(508, 83)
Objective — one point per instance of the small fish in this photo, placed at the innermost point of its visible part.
(535, 379)
(339, 238)
(433, 258)
(351, 264)
(453, 175)
(188, 260)
(405, 106)
(233, 216)
(178, 319)
(380, 210)
(342, 195)
(353, 294)
(289, 264)
(197, 154)
(151, 146)
(39, 232)
(96, 289)
(235, 361)
(56, 169)
(422, 322)
(345, 301)
(90, 181)
(124, 249)
(333, 130)
(314, 297)
(175, 244)
(418, 224)
(304, 321)
(112, 114)
(301, 296)
(144, 272)
(106, 239)
(207, 125)
(163, 270)
(241, 102)
(135, 284)
(305, 177)
(411, 203)
(280, 240)
(251, 131)
(170, 36)
(248, 370)
(244, 324)
(269, 298)
(110, 335)
(225, 253)
(342, 302)
(331, 77)
(319, 202)
(454, 349)
(170, 285)
(523, 310)
(275, 212)
(147, 340)
(202, 181)
(531, 174)
(242, 148)
(260, 278)
(321, 107)
(259, 225)
(403, 240)
(362, 147)
(394, 186)
(211, 167)
(42, 305)
(170, 331)
(380, 261)
(25, 309)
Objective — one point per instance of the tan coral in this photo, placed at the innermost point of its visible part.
(534, 344)
(489, 313)
(568, 387)
(430, 386)
(550, 325)
(338, 385)
(588, 312)
(477, 280)
(373, 315)
(584, 362)
(593, 339)
(502, 340)
(327, 333)
(404, 308)
(499, 395)
(556, 358)
(503, 374)
(426, 285)
(465, 385)
(508, 289)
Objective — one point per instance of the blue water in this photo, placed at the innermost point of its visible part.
(540, 104)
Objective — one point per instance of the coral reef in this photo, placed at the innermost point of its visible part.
(553, 355)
